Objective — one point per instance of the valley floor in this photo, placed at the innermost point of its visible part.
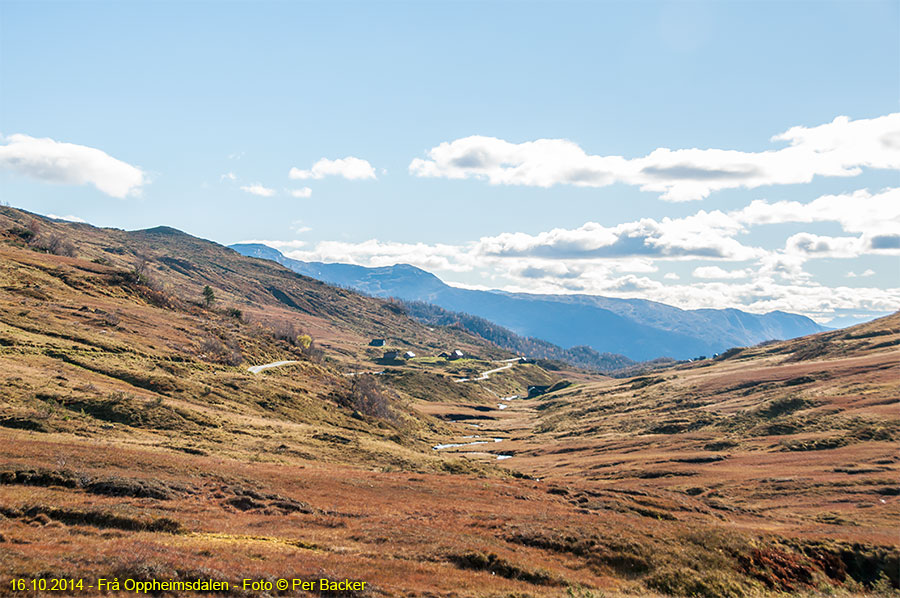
(136, 444)
(587, 514)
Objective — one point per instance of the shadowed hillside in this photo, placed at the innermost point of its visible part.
(583, 356)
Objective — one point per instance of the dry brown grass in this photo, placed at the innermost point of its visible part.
(133, 445)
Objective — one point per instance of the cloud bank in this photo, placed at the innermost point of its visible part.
(67, 163)
(626, 260)
(840, 148)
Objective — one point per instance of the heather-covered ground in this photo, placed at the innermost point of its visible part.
(135, 443)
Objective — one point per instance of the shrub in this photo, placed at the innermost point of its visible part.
(396, 306)
(228, 352)
(53, 243)
(26, 234)
(313, 352)
(366, 397)
(285, 331)
(140, 266)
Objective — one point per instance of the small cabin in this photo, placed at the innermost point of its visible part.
(409, 355)
(534, 391)
(444, 354)
(456, 354)
(376, 342)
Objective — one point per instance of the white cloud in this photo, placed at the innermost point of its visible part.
(785, 266)
(451, 258)
(865, 274)
(228, 176)
(857, 212)
(298, 227)
(69, 218)
(258, 189)
(279, 245)
(778, 283)
(720, 273)
(759, 295)
(875, 218)
(303, 193)
(349, 168)
(821, 246)
(613, 260)
(67, 163)
(839, 148)
(708, 235)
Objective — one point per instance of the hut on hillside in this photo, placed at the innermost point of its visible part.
(534, 391)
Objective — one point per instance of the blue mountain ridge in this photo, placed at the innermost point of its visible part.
(637, 328)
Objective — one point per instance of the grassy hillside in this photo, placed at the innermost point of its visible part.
(136, 443)
(114, 340)
(172, 266)
(796, 440)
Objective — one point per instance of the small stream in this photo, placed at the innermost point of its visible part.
(441, 447)
(476, 439)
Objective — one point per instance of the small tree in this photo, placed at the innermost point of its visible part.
(140, 267)
(208, 295)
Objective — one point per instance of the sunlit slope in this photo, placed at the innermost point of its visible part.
(113, 340)
(180, 266)
(798, 436)
(136, 443)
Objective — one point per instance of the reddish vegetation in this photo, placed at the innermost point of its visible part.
(779, 570)
(135, 443)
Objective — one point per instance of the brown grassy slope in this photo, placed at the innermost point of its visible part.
(130, 447)
(798, 438)
(406, 535)
(179, 265)
(622, 511)
(791, 446)
(90, 347)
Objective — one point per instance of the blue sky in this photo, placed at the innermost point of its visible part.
(201, 107)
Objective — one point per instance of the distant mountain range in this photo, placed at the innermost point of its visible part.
(543, 351)
(637, 328)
